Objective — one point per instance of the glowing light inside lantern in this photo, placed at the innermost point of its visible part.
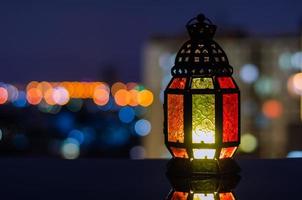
(201, 196)
(203, 119)
(204, 153)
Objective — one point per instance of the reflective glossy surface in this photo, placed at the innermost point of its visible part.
(125, 179)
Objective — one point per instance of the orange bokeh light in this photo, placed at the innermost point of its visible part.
(100, 96)
(3, 95)
(133, 97)
(116, 87)
(272, 109)
(34, 96)
(122, 97)
(48, 97)
(145, 98)
(32, 84)
(44, 87)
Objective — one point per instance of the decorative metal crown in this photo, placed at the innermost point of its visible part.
(201, 55)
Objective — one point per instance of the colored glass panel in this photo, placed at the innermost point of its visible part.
(198, 196)
(175, 118)
(230, 117)
(204, 153)
(227, 152)
(226, 82)
(179, 196)
(202, 83)
(179, 152)
(178, 83)
(226, 196)
(203, 118)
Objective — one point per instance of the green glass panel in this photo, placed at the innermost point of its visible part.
(203, 118)
(202, 83)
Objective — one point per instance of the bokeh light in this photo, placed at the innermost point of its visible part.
(21, 100)
(117, 86)
(48, 97)
(77, 135)
(272, 109)
(75, 105)
(3, 95)
(126, 114)
(249, 73)
(60, 96)
(34, 96)
(249, 143)
(133, 97)
(137, 152)
(297, 83)
(100, 96)
(296, 60)
(284, 61)
(122, 97)
(142, 127)
(266, 86)
(294, 154)
(13, 92)
(145, 98)
(70, 149)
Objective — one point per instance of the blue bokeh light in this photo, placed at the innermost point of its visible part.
(20, 101)
(126, 114)
(142, 127)
(294, 154)
(64, 122)
(77, 135)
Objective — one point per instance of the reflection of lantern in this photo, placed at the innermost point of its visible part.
(202, 112)
(203, 189)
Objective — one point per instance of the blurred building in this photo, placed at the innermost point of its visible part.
(267, 71)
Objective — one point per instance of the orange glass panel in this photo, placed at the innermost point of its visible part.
(179, 196)
(230, 117)
(175, 118)
(226, 196)
(226, 82)
(227, 152)
(179, 152)
(178, 83)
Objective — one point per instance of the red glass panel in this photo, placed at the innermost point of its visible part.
(227, 152)
(179, 196)
(230, 117)
(179, 152)
(175, 118)
(178, 83)
(226, 196)
(226, 82)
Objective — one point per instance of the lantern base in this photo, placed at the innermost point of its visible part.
(205, 184)
(198, 167)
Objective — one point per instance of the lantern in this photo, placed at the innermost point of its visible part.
(204, 189)
(202, 105)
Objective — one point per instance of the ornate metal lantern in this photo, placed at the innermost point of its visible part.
(202, 105)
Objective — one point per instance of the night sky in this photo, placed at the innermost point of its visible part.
(77, 40)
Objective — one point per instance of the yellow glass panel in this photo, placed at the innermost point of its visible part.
(198, 196)
(203, 118)
(204, 153)
(202, 83)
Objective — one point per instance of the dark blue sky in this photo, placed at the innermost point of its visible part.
(72, 39)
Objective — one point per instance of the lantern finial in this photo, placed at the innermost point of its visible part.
(201, 28)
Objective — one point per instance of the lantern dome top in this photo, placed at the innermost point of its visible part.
(201, 55)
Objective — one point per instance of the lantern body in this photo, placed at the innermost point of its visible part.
(202, 102)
